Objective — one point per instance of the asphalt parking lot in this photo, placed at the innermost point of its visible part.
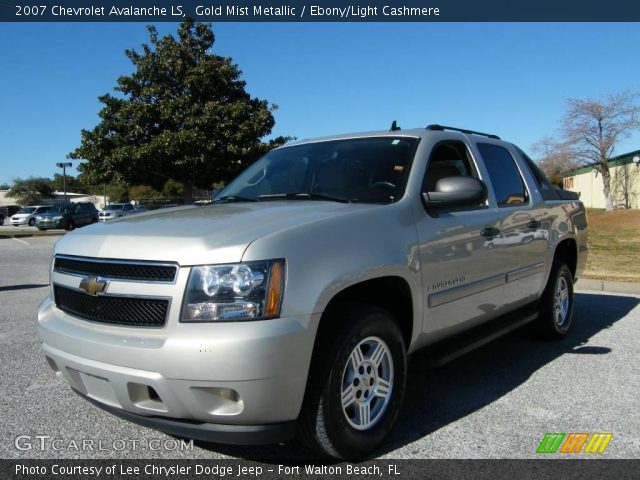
(497, 402)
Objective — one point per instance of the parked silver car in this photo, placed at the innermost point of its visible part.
(291, 304)
(28, 215)
(115, 210)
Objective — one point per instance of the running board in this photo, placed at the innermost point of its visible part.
(448, 350)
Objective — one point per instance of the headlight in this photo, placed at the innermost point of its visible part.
(39, 217)
(242, 291)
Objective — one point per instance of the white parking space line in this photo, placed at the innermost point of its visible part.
(21, 241)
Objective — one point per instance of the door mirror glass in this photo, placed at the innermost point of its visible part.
(456, 192)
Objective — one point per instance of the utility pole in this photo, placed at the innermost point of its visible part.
(64, 166)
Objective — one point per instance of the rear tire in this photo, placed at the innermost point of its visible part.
(71, 225)
(556, 305)
(356, 384)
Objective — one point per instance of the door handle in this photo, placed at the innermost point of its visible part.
(489, 232)
(534, 224)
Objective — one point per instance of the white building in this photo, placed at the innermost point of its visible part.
(625, 182)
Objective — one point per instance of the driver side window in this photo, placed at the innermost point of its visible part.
(450, 158)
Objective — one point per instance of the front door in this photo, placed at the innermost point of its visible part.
(461, 275)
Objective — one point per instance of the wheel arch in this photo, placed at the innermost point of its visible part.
(567, 251)
(391, 293)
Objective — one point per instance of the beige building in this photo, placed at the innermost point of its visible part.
(57, 197)
(625, 182)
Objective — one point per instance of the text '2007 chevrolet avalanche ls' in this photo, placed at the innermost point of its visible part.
(289, 307)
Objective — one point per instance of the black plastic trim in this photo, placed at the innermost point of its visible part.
(207, 432)
(567, 194)
(435, 126)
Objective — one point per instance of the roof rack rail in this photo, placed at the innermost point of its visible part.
(435, 126)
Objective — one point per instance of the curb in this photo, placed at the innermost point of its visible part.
(28, 235)
(607, 286)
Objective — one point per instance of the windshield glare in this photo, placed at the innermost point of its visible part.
(27, 210)
(368, 170)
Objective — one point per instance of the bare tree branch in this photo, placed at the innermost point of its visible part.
(591, 129)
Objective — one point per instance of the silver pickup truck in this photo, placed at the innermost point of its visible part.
(290, 306)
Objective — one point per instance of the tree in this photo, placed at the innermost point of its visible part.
(73, 185)
(183, 114)
(32, 190)
(592, 128)
(5, 186)
(554, 159)
(143, 192)
(172, 189)
(118, 192)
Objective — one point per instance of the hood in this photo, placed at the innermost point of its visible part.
(196, 235)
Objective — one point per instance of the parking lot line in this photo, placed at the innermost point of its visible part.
(19, 240)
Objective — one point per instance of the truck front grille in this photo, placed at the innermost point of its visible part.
(131, 311)
(116, 269)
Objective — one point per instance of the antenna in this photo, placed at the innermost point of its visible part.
(394, 127)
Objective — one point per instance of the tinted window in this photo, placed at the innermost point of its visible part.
(504, 175)
(541, 178)
(448, 159)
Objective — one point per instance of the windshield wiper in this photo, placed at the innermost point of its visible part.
(233, 198)
(303, 196)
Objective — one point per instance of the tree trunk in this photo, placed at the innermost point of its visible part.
(188, 192)
(606, 188)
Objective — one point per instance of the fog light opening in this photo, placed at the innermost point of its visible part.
(153, 395)
(146, 397)
(53, 365)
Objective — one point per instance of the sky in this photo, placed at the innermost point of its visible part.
(511, 79)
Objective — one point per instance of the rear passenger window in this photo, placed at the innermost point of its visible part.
(504, 175)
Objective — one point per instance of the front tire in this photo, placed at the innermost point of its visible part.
(556, 305)
(71, 226)
(32, 222)
(356, 384)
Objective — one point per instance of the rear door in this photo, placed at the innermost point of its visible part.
(520, 246)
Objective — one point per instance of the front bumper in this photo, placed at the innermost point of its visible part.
(20, 221)
(238, 382)
(46, 224)
(208, 432)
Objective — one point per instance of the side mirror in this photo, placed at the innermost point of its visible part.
(456, 192)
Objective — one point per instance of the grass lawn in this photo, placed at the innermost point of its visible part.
(614, 245)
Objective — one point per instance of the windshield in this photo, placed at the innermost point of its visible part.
(368, 170)
(113, 207)
(27, 210)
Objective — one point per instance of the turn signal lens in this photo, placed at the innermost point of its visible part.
(274, 290)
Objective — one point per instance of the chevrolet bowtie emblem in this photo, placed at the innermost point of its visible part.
(93, 285)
